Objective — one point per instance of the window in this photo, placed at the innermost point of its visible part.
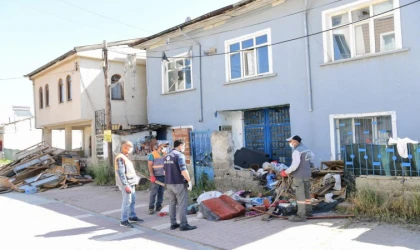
(373, 31)
(248, 56)
(60, 91)
(47, 95)
(117, 88)
(68, 82)
(177, 74)
(41, 99)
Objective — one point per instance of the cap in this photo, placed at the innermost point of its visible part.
(296, 138)
(162, 143)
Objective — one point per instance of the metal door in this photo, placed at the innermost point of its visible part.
(202, 154)
(266, 131)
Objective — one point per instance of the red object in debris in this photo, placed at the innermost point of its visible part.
(161, 214)
(283, 173)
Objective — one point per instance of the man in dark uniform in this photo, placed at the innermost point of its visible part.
(301, 170)
(176, 179)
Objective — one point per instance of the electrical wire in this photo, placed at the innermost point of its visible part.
(103, 16)
(266, 21)
(72, 21)
(296, 38)
(20, 77)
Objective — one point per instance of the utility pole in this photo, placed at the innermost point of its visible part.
(107, 102)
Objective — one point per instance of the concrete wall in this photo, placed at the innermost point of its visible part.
(391, 185)
(19, 136)
(373, 84)
(58, 113)
(225, 176)
(131, 110)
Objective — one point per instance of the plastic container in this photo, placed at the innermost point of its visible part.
(31, 190)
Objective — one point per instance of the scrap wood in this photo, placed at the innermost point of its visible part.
(157, 182)
(247, 217)
(309, 217)
(279, 194)
(324, 190)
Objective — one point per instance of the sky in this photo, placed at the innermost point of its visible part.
(34, 32)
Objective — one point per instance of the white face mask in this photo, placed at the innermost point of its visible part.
(183, 148)
(291, 145)
(164, 150)
(130, 150)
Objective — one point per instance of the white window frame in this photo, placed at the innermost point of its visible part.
(165, 79)
(382, 44)
(241, 39)
(348, 8)
(333, 118)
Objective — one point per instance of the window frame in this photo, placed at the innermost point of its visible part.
(165, 75)
(328, 42)
(41, 98)
(47, 95)
(382, 44)
(60, 91)
(333, 118)
(240, 51)
(121, 83)
(69, 86)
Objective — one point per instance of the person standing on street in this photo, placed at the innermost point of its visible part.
(126, 181)
(301, 170)
(156, 171)
(176, 179)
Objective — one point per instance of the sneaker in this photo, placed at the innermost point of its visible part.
(187, 228)
(151, 211)
(158, 209)
(126, 224)
(173, 227)
(134, 220)
(297, 218)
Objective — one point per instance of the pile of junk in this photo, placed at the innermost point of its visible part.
(279, 201)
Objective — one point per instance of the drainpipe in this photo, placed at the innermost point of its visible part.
(201, 80)
(308, 58)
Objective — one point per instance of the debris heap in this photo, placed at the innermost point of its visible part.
(40, 168)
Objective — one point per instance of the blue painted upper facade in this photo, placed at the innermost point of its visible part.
(366, 72)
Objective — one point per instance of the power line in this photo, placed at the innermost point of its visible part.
(72, 21)
(20, 77)
(266, 21)
(106, 17)
(296, 38)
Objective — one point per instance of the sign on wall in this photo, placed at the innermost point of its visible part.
(107, 136)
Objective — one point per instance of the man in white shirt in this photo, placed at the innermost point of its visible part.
(301, 170)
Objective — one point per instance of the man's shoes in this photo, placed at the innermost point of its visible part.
(187, 228)
(126, 224)
(158, 209)
(297, 218)
(134, 220)
(173, 227)
(151, 211)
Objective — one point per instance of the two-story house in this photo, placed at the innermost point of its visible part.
(69, 94)
(338, 73)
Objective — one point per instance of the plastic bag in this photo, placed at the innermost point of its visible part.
(337, 185)
(328, 198)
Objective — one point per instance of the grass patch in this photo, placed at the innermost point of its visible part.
(384, 207)
(102, 174)
(4, 161)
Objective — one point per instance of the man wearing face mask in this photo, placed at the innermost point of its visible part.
(301, 170)
(156, 171)
(126, 181)
(176, 179)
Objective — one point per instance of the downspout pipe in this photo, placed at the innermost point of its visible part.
(308, 58)
(201, 79)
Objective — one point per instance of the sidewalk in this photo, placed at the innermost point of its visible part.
(246, 234)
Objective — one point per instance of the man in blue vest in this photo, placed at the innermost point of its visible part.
(177, 182)
(156, 171)
(301, 170)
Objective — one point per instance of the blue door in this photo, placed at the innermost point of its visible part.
(201, 154)
(266, 131)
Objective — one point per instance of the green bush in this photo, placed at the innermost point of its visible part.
(388, 208)
(102, 173)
